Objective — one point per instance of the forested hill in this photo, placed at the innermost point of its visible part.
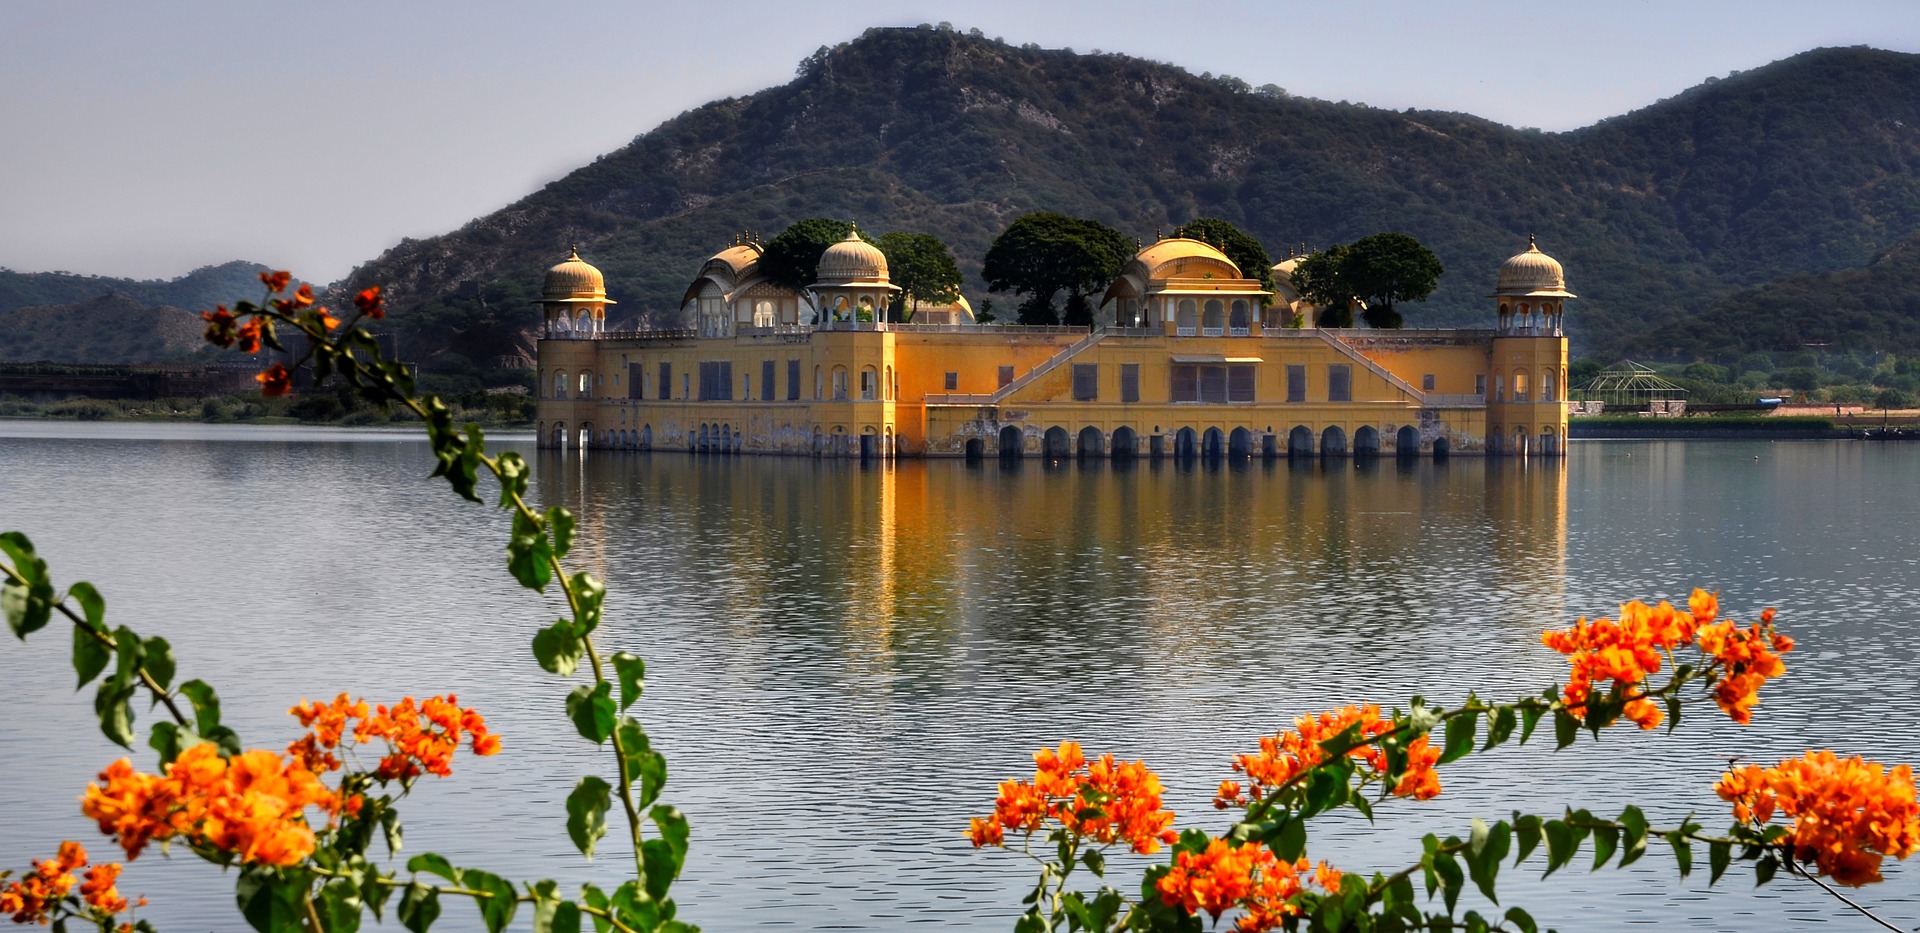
(1807, 165)
(201, 288)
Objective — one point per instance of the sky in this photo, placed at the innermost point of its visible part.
(144, 139)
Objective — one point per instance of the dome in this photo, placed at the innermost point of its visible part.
(851, 261)
(574, 281)
(1532, 274)
(1170, 252)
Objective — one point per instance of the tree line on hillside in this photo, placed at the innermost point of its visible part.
(1058, 265)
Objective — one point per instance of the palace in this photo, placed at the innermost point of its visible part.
(1192, 358)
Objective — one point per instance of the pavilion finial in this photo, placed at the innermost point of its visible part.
(1530, 243)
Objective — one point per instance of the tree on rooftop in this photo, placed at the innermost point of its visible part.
(1321, 279)
(1044, 254)
(923, 267)
(1380, 270)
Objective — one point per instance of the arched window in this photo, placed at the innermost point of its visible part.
(888, 387)
(586, 385)
(559, 384)
(839, 383)
(1519, 385)
(763, 315)
(869, 384)
(1241, 321)
(1214, 322)
(1499, 388)
(819, 383)
(1547, 387)
(1188, 321)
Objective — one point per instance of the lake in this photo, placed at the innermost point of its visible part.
(843, 661)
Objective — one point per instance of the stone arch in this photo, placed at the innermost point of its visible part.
(976, 450)
(586, 435)
(1240, 318)
(1055, 444)
(1300, 441)
(1406, 443)
(1013, 442)
(1366, 442)
(586, 383)
(1213, 317)
(1519, 442)
(559, 383)
(1186, 444)
(869, 384)
(1520, 386)
(1213, 444)
(886, 388)
(1442, 447)
(1125, 445)
(646, 437)
(1240, 444)
(1333, 442)
(1091, 443)
(1187, 318)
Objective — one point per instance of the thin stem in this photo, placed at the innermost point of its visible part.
(1794, 868)
(159, 693)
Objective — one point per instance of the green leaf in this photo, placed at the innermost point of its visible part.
(206, 705)
(632, 673)
(673, 830)
(1529, 718)
(419, 907)
(1605, 840)
(90, 655)
(1461, 730)
(597, 899)
(559, 917)
(27, 607)
(339, 907)
(1522, 920)
(1421, 717)
(587, 813)
(1501, 728)
(1327, 787)
(1682, 851)
(1450, 878)
(1527, 828)
(434, 864)
(1673, 711)
(158, 661)
(1293, 839)
(591, 709)
(1635, 825)
(390, 824)
(1095, 863)
(92, 605)
(113, 704)
(528, 553)
(373, 893)
(1764, 870)
(513, 473)
(497, 910)
(1719, 856)
(1488, 852)
(1566, 726)
(558, 648)
(271, 900)
(1561, 845)
(562, 522)
(1477, 840)
(169, 740)
(588, 594)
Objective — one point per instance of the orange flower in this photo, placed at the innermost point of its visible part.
(1627, 651)
(1221, 878)
(1848, 813)
(1747, 658)
(99, 890)
(220, 326)
(420, 738)
(370, 303)
(275, 381)
(36, 897)
(1285, 756)
(251, 806)
(248, 336)
(1105, 801)
(277, 281)
(326, 319)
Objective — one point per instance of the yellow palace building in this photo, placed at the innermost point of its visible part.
(1192, 359)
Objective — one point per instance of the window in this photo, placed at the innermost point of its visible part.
(666, 380)
(869, 385)
(1339, 382)
(636, 379)
(840, 383)
(766, 380)
(1296, 382)
(819, 386)
(716, 381)
(1006, 376)
(1546, 386)
(953, 382)
(1213, 322)
(793, 380)
(1499, 388)
(1129, 382)
(560, 385)
(1240, 322)
(746, 385)
(1086, 382)
(763, 314)
(1240, 381)
(686, 385)
(586, 385)
(1520, 386)
(1480, 385)
(1213, 382)
(1426, 383)
(1187, 320)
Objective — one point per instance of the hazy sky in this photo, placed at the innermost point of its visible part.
(145, 138)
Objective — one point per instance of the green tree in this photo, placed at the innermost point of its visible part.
(1245, 251)
(923, 267)
(1892, 398)
(1321, 279)
(790, 259)
(1044, 254)
(1387, 268)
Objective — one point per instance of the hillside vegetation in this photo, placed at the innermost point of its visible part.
(201, 288)
(1804, 166)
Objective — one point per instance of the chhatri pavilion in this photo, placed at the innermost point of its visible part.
(1191, 358)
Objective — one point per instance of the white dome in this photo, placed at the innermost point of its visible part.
(575, 281)
(1532, 274)
(852, 261)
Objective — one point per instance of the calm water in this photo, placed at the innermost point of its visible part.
(843, 662)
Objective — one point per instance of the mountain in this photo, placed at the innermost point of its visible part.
(202, 288)
(1805, 166)
(1871, 308)
(109, 328)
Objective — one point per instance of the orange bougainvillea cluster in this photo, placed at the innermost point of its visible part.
(1628, 651)
(1286, 756)
(34, 898)
(225, 329)
(1221, 878)
(1848, 813)
(251, 806)
(1103, 800)
(421, 738)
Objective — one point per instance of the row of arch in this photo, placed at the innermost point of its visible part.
(1549, 387)
(1212, 444)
